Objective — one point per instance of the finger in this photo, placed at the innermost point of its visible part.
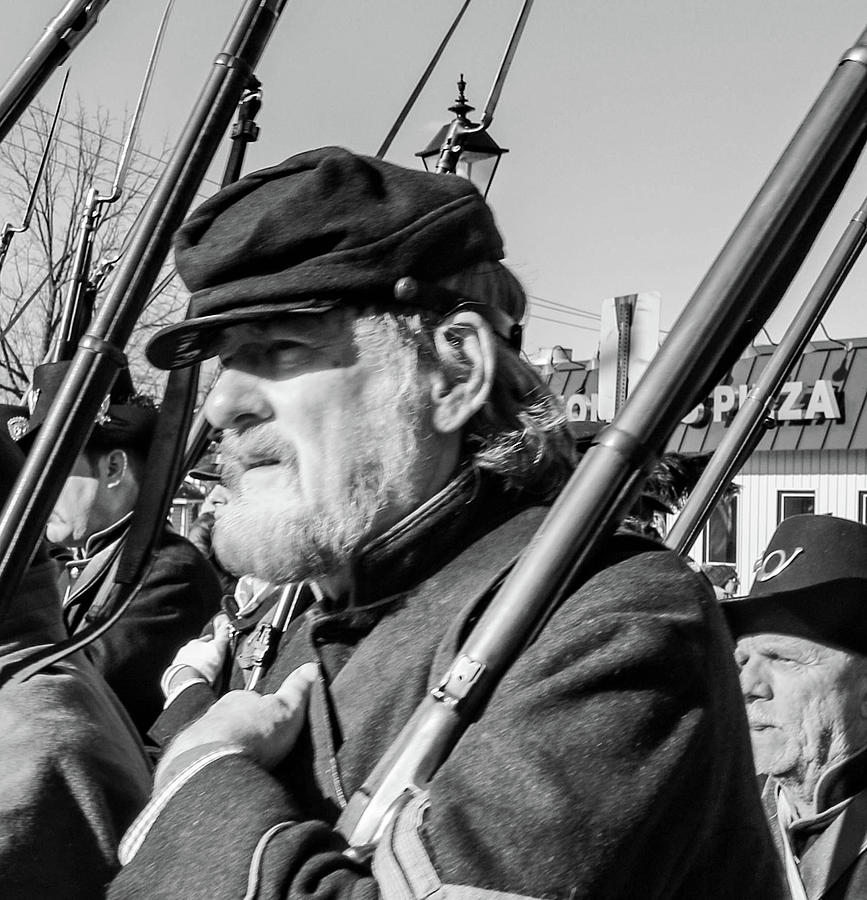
(296, 688)
(221, 635)
(219, 629)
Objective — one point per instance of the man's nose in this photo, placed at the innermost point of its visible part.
(237, 401)
(754, 683)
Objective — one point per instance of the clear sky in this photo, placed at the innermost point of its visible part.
(639, 130)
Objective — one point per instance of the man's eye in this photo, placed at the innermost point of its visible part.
(286, 351)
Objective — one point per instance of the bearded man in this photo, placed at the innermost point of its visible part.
(802, 651)
(386, 447)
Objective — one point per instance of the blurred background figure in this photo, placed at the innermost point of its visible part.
(92, 516)
(74, 772)
(723, 577)
(201, 533)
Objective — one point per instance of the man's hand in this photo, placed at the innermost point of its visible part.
(205, 655)
(261, 726)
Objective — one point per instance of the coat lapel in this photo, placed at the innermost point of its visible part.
(836, 849)
(769, 802)
(86, 598)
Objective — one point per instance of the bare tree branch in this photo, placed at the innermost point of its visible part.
(38, 267)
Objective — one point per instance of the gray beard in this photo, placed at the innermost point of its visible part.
(281, 536)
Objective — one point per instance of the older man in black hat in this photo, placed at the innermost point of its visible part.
(386, 446)
(92, 517)
(802, 650)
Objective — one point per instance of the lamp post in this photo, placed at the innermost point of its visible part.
(464, 147)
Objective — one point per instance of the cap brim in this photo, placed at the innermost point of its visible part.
(839, 622)
(193, 340)
(203, 475)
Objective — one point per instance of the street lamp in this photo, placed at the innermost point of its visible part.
(463, 147)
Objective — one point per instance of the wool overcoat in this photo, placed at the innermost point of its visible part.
(612, 762)
(180, 593)
(73, 772)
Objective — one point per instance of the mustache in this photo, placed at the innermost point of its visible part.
(760, 722)
(255, 446)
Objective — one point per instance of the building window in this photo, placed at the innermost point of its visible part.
(721, 532)
(183, 513)
(862, 507)
(795, 503)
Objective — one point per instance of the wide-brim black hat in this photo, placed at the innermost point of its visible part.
(119, 422)
(325, 228)
(811, 583)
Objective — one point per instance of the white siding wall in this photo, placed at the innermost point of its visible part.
(835, 476)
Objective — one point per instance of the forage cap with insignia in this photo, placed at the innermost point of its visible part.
(810, 582)
(122, 420)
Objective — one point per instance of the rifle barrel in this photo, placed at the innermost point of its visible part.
(747, 429)
(741, 289)
(62, 34)
(100, 352)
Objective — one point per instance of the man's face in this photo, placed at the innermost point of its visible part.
(323, 446)
(217, 497)
(69, 523)
(803, 702)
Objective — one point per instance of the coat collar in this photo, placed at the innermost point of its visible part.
(836, 835)
(845, 779)
(101, 539)
(424, 541)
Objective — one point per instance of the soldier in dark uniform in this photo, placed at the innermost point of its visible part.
(394, 456)
(92, 516)
(74, 774)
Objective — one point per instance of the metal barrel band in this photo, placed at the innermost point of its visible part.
(104, 348)
(233, 62)
(857, 54)
(622, 442)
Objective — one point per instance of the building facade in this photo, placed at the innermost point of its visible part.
(813, 458)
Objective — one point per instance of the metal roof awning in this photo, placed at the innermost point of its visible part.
(822, 406)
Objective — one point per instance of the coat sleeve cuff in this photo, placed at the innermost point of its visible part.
(185, 708)
(139, 829)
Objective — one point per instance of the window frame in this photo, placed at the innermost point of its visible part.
(862, 507)
(782, 496)
(732, 501)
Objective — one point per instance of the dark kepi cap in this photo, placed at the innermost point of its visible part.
(119, 422)
(811, 582)
(322, 229)
(209, 471)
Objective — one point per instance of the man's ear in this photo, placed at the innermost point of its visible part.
(466, 346)
(115, 464)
